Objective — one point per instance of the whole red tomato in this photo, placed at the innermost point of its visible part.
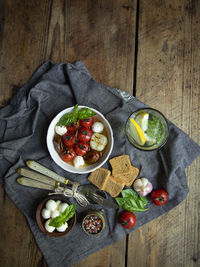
(159, 197)
(127, 219)
(68, 155)
(84, 135)
(87, 122)
(68, 139)
(81, 148)
(72, 128)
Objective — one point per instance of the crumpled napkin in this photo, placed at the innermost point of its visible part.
(23, 128)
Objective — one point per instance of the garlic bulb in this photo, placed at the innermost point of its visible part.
(142, 186)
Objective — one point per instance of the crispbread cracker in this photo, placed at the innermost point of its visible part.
(120, 165)
(123, 173)
(114, 186)
(99, 177)
(128, 178)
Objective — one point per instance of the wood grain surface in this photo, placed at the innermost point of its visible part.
(147, 48)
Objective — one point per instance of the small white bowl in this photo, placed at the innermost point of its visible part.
(68, 167)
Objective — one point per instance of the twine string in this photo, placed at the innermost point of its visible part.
(80, 198)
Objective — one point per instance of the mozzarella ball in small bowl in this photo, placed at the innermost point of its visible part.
(50, 208)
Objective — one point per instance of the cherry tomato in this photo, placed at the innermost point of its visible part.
(72, 128)
(159, 197)
(87, 122)
(68, 139)
(127, 219)
(68, 155)
(84, 135)
(81, 148)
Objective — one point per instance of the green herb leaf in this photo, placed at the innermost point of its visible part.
(66, 119)
(131, 201)
(155, 128)
(64, 216)
(73, 117)
(85, 113)
(76, 112)
(129, 193)
(143, 199)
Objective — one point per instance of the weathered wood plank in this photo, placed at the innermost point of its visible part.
(168, 79)
(23, 41)
(23, 33)
(100, 33)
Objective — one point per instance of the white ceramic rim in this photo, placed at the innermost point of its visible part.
(64, 165)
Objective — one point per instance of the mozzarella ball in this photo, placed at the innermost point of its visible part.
(49, 228)
(58, 202)
(51, 204)
(54, 213)
(63, 206)
(63, 227)
(45, 213)
(61, 130)
(97, 127)
(78, 161)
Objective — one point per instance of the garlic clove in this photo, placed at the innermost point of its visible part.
(144, 181)
(142, 186)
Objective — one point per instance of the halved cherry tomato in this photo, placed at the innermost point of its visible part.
(87, 122)
(159, 197)
(127, 219)
(81, 148)
(84, 135)
(72, 128)
(68, 155)
(68, 139)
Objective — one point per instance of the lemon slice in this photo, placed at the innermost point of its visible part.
(137, 132)
(142, 120)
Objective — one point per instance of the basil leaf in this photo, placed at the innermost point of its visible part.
(64, 216)
(69, 211)
(66, 119)
(130, 205)
(131, 201)
(85, 113)
(120, 201)
(138, 209)
(129, 193)
(140, 204)
(143, 199)
(69, 118)
(76, 112)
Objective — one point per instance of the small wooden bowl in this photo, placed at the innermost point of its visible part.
(41, 221)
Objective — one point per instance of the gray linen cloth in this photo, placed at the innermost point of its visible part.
(23, 128)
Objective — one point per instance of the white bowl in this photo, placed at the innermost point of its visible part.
(68, 167)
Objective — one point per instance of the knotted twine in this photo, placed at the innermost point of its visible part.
(80, 198)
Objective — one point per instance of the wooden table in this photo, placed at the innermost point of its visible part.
(147, 48)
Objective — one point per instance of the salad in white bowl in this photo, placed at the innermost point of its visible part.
(80, 139)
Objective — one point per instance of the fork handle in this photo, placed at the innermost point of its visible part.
(33, 183)
(41, 169)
